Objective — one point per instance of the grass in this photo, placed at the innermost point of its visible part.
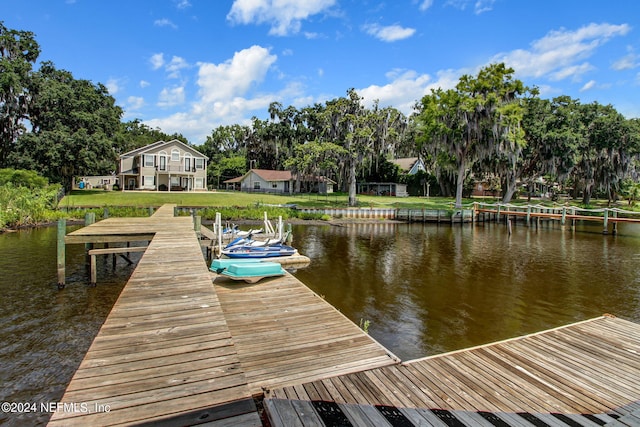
(90, 198)
(223, 199)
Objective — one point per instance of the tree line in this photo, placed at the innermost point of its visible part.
(489, 127)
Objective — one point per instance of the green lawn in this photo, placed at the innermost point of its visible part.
(97, 198)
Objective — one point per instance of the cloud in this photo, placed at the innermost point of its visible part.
(406, 87)
(390, 33)
(144, 83)
(589, 85)
(134, 103)
(284, 16)
(557, 55)
(157, 61)
(222, 95)
(425, 4)
(235, 76)
(479, 6)
(627, 62)
(182, 4)
(164, 23)
(482, 6)
(175, 65)
(171, 97)
(113, 86)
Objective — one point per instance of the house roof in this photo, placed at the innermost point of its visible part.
(405, 163)
(273, 175)
(265, 174)
(159, 144)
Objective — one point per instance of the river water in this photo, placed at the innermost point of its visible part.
(424, 289)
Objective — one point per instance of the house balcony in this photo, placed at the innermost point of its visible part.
(172, 169)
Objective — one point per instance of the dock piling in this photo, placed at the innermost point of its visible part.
(62, 230)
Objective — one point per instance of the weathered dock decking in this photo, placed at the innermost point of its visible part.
(585, 374)
(165, 351)
(285, 334)
(170, 352)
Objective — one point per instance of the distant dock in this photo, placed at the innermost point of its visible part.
(183, 347)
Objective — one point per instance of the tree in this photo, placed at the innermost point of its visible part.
(135, 134)
(473, 122)
(315, 159)
(18, 51)
(73, 125)
(604, 154)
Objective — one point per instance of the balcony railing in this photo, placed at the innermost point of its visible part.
(176, 169)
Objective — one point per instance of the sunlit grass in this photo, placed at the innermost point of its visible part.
(83, 198)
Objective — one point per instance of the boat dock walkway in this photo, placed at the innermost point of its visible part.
(584, 374)
(183, 347)
(170, 353)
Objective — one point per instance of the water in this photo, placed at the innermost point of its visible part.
(425, 289)
(429, 289)
(45, 332)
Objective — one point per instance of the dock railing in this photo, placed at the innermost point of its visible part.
(501, 211)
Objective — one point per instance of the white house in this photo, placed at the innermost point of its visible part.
(163, 166)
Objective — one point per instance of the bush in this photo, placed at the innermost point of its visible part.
(20, 205)
(22, 178)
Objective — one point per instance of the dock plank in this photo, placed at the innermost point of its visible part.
(286, 334)
(165, 354)
(582, 374)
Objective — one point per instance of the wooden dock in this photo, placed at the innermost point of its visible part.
(165, 351)
(585, 374)
(562, 214)
(179, 348)
(285, 334)
(172, 352)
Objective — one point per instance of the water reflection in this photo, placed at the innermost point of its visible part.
(45, 333)
(428, 289)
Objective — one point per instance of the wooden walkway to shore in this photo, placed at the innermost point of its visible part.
(585, 374)
(172, 352)
(165, 351)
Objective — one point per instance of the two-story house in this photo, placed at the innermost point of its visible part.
(163, 166)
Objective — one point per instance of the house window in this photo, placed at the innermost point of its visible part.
(149, 161)
(149, 181)
(256, 185)
(274, 185)
(175, 155)
(199, 163)
(199, 183)
(187, 163)
(175, 181)
(163, 163)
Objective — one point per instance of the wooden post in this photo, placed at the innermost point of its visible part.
(150, 210)
(94, 273)
(564, 215)
(197, 224)
(614, 230)
(606, 222)
(62, 231)
(105, 213)
(89, 218)
(528, 215)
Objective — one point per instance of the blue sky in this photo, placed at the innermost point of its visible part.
(189, 66)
